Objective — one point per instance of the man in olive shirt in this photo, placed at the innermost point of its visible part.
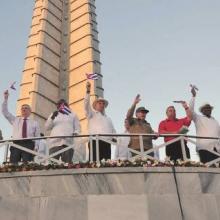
(139, 125)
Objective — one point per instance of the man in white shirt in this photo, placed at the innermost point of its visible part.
(98, 123)
(206, 126)
(62, 122)
(23, 127)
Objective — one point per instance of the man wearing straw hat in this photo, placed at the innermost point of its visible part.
(98, 123)
(207, 126)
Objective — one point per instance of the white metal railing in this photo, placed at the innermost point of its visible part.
(84, 139)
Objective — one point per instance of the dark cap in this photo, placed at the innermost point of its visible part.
(62, 101)
(142, 109)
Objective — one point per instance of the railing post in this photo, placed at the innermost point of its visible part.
(183, 148)
(91, 148)
(47, 155)
(97, 148)
(6, 153)
(141, 145)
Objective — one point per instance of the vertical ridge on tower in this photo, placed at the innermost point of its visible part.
(63, 46)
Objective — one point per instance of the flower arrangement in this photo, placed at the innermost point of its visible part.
(134, 162)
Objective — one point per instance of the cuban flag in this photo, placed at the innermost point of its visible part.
(64, 109)
(92, 76)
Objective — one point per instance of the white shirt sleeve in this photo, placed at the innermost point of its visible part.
(87, 106)
(192, 104)
(191, 107)
(6, 113)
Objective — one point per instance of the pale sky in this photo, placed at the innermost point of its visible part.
(154, 48)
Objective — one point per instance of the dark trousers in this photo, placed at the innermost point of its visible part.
(104, 150)
(66, 156)
(17, 155)
(206, 156)
(174, 151)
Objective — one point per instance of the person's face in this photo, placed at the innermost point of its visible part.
(141, 115)
(171, 112)
(61, 103)
(207, 111)
(100, 106)
(25, 111)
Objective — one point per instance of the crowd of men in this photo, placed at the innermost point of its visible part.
(64, 122)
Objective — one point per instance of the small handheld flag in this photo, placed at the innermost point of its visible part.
(179, 101)
(64, 109)
(92, 76)
(12, 86)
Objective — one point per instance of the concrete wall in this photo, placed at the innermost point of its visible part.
(111, 194)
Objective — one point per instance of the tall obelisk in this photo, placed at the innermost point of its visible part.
(62, 47)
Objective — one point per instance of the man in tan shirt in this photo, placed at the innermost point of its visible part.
(139, 125)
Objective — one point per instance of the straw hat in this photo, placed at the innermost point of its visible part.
(99, 99)
(205, 105)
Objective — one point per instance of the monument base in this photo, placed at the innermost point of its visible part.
(111, 194)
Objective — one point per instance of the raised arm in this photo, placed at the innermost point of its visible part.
(131, 110)
(192, 101)
(192, 104)
(49, 123)
(187, 110)
(87, 106)
(5, 112)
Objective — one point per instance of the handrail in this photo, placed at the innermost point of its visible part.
(111, 135)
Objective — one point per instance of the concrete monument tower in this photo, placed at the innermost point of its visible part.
(62, 48)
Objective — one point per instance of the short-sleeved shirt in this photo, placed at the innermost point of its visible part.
(173, 126)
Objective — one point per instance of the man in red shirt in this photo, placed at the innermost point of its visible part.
(173, 125)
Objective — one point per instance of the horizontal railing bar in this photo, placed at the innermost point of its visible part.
(110, 135)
